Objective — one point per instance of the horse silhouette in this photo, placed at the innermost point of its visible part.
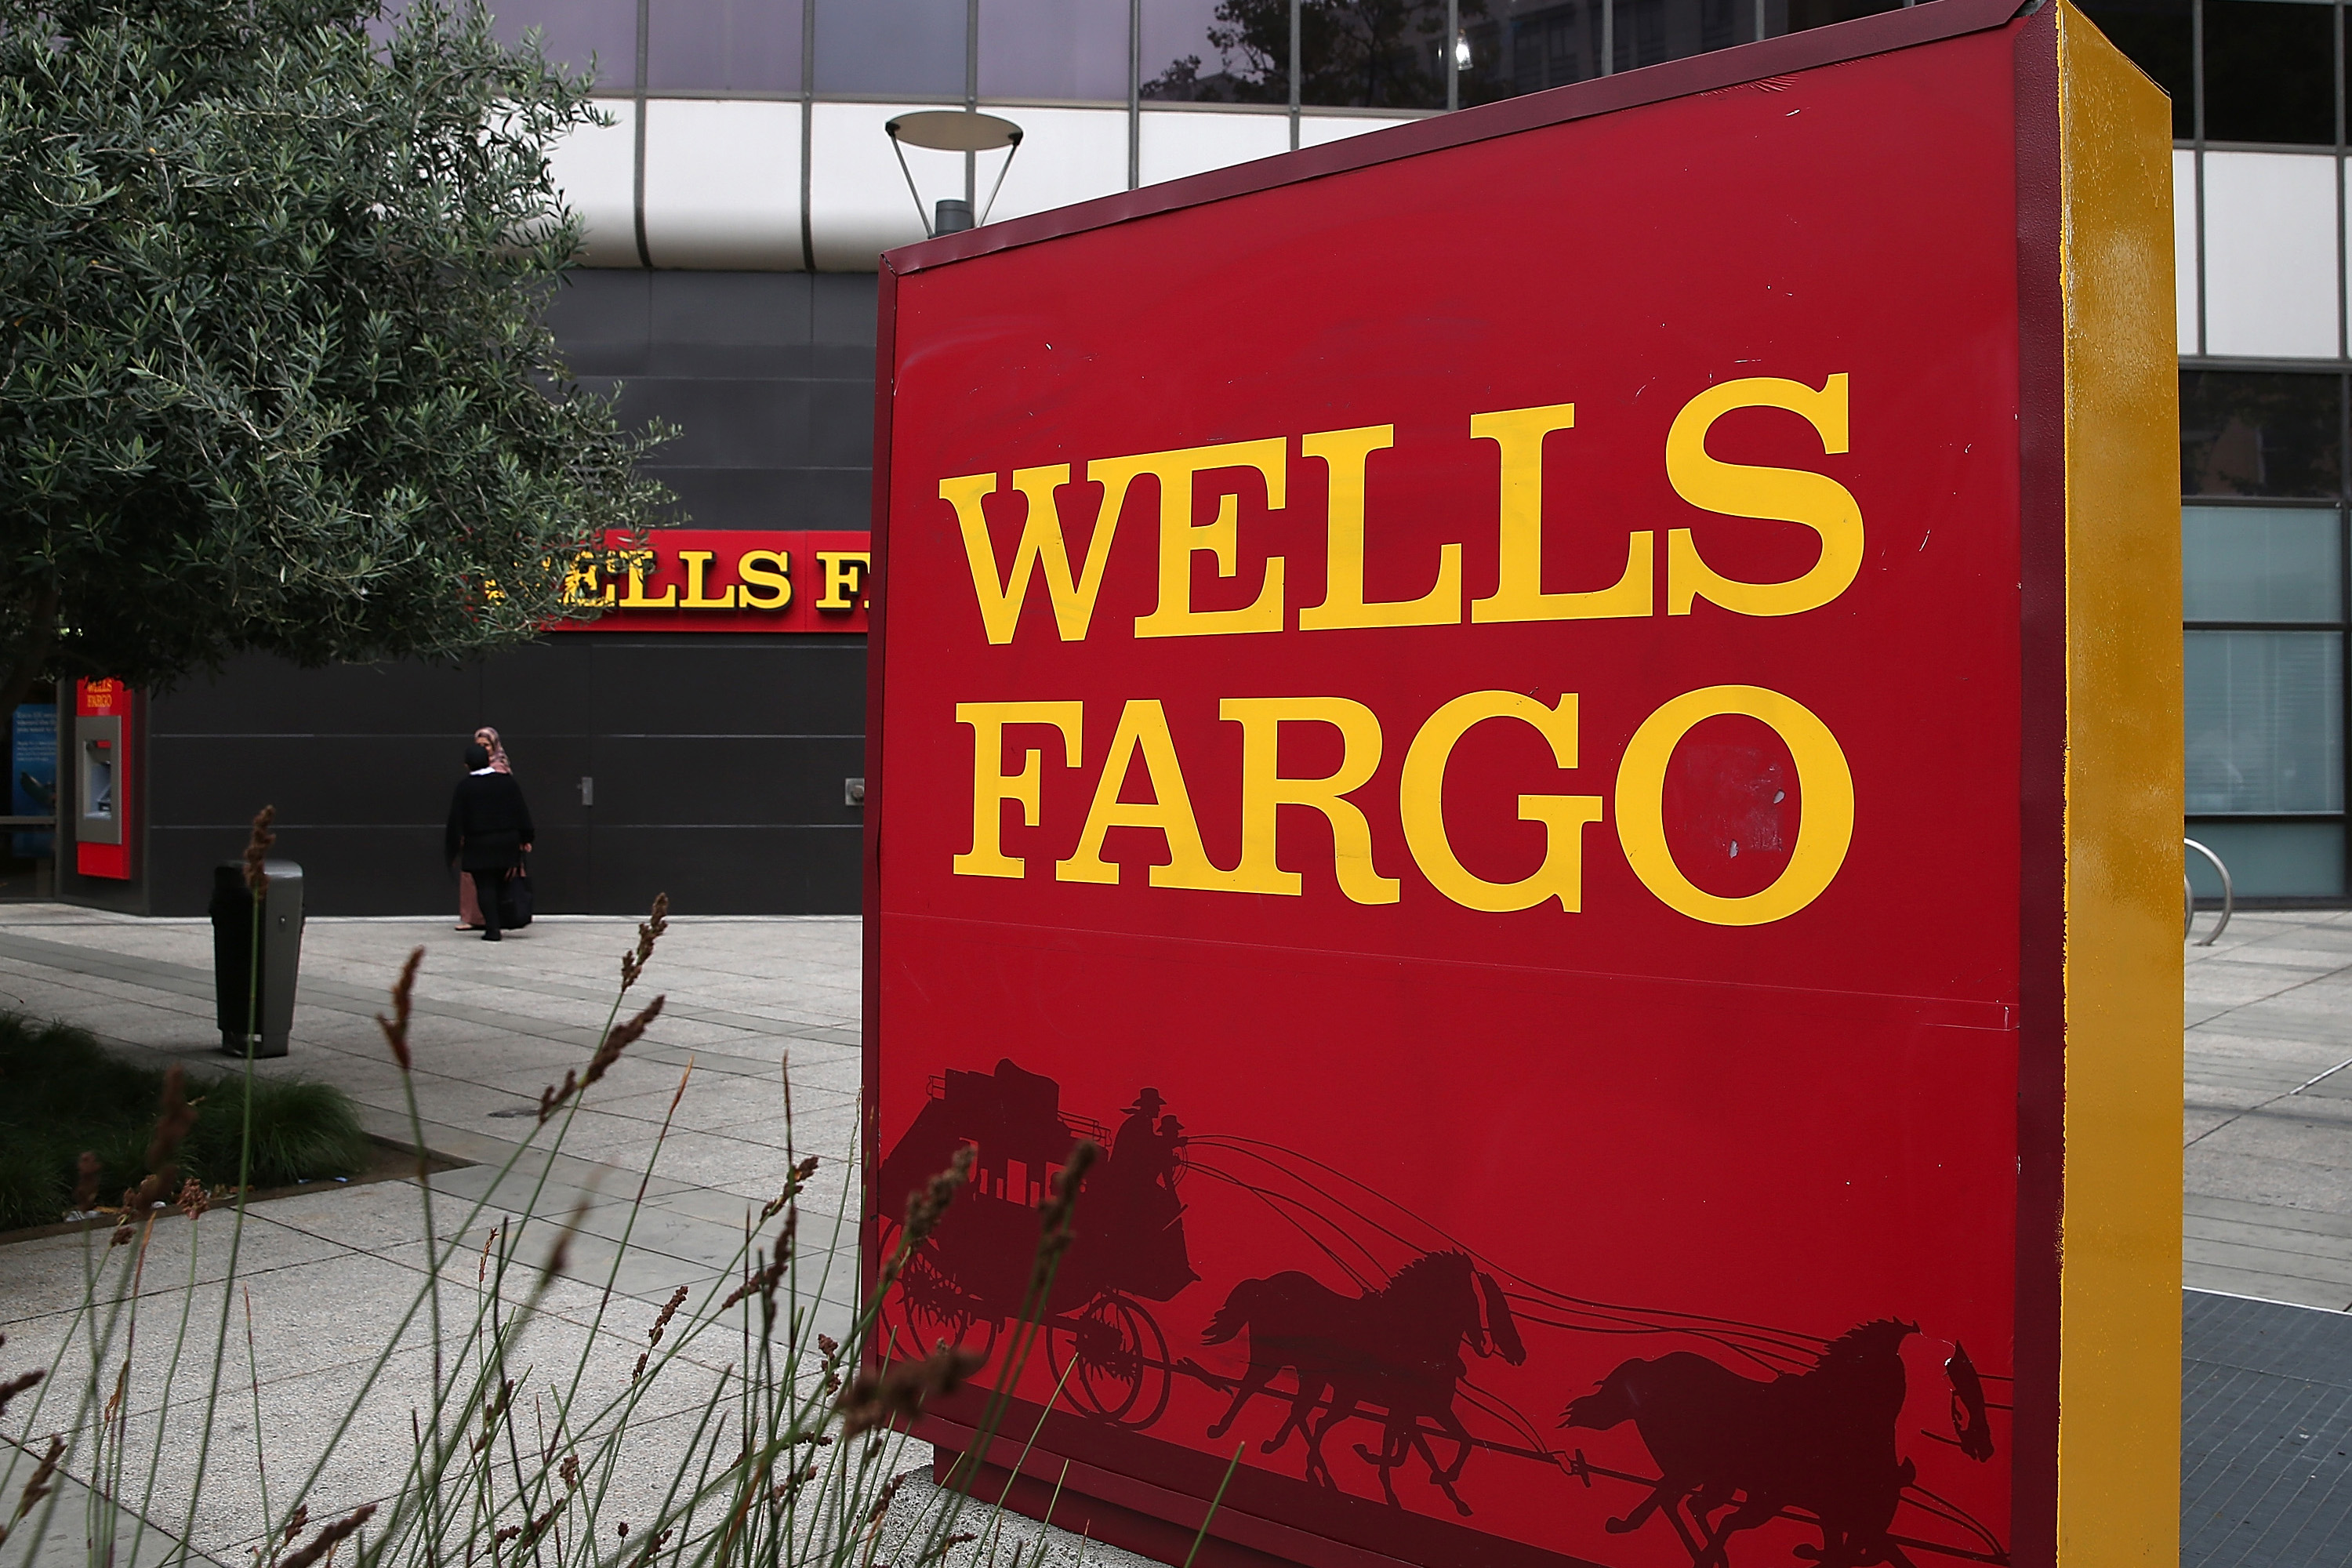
(1396, 1349)
(1821, 1440)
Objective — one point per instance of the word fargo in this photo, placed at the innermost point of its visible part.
(1556, 733)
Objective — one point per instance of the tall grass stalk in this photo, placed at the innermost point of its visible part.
(735, 1435)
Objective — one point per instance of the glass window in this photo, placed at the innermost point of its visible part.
(2265, 721)
(906, 49)
(1052, 48)
(724, 46)
(1808, 14)
(2260, 434)
(2260, 564)
(1216, 51)
(2160, 39)
(573, 33)
(2268, 860)
(2270, 71)
(1527, 45)
(1651, 32)
(1389, 55)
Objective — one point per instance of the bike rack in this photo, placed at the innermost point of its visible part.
(2188, 898)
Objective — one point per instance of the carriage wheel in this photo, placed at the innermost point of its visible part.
(1118, 1361)
(925, 1311)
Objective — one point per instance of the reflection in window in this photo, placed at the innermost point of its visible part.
(1216, 51)
(2264, 716)
(909, 48)
(2260, 564)
(1387, 55)
(2260, 434)
(723, 45)
(1520, 48)
(1804, 14)
(1052, 48)
(2270, 71)
(2269, 859)
(2160, 38)
(573, 32)
(1652, 32)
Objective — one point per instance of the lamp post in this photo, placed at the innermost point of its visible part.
(964, 130)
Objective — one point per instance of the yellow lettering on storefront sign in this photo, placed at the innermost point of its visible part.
(992, 786)
(1825, 826)
(1421, 800)
(643, 563)
(1180, 538)
(698, 567)
(1781, 495)
(766, 578)
(1344, 453)
(845, 574)
(1264, 791)
(1040, 550)
(1143, 732)
(1518, 435)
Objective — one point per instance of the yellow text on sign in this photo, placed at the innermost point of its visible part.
(1141, 736)
(1227, 474)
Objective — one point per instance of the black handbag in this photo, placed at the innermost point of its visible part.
(514, 899)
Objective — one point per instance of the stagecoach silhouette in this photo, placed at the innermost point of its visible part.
(969, 1277)
(1743, 1423)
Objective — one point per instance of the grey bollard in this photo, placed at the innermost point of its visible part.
(281, 956)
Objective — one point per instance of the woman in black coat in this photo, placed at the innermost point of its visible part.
(489, 829)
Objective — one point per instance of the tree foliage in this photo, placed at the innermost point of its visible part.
(275, 374)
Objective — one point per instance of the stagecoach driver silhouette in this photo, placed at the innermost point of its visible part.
(1138, 1185)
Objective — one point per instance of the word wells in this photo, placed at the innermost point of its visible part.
(1363, 868)
(1798, 496)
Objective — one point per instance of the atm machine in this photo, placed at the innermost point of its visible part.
(103, 778)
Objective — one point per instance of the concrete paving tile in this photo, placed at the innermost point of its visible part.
(2254, 1179)
(2230, 1281)
(2283, 1262)
(52, 1274)
(2200, 1205)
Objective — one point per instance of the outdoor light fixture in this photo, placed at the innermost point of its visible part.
(967, 131)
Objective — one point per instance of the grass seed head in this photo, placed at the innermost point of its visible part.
(172, 1124)
(900, 1391)
(256, 849)
(404, 990)
(39, 1486)
(649, 932)
(18, 1385)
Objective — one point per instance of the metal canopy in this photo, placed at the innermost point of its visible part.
(954, 131)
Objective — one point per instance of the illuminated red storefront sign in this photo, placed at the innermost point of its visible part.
(726, 579)
(1560, 730)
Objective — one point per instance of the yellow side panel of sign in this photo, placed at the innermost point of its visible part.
(2119, 1381)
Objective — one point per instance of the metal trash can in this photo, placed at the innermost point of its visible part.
(282, 955)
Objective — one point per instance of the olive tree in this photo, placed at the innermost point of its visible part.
(275, 373)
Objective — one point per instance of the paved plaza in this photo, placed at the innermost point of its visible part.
(2267, 1119)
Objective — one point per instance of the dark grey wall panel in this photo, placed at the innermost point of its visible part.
(768, 376)
(725, 780)
(804, 686)
(717, 760)
(731, 870)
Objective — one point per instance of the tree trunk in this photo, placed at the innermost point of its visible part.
(32, 655)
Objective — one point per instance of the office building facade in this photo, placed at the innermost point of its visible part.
(734, 209)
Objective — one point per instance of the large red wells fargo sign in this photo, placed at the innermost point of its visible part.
(1559, 728)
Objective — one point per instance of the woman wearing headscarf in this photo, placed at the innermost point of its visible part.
(469, 907)
(490, 831)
